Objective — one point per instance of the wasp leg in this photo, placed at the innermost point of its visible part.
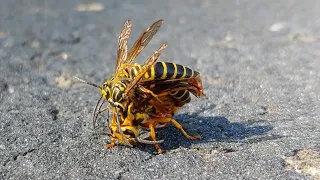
(117, 133)
(111, 145)
(153, 137)
(145, 90)
(164, 93)
(178, 126)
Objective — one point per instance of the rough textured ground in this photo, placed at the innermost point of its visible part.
(261, 72)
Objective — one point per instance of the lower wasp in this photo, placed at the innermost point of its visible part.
(144, 95)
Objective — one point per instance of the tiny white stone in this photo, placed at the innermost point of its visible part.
(277, 26)
(11, 90)
(64, 56)
(228, 38)
(3, 147)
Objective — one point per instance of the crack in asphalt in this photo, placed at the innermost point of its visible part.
(15, 157)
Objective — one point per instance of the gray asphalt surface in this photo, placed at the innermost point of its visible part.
(260, 66)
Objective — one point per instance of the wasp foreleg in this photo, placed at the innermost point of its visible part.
(153, 137)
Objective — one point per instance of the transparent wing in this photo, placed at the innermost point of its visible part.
(147, 65)
(122, 44)
(143, 41)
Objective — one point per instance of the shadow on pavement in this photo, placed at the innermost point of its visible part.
(211, 129)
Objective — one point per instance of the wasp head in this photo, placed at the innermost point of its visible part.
(114, 95)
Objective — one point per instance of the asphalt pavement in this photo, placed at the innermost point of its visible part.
(260, 66)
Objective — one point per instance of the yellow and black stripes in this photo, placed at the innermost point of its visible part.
(161, 71)
(134, 71)
(165, 70)
(182, 95)
(117, 91)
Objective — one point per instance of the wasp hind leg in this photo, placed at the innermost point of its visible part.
(147, 91)
(178, 126)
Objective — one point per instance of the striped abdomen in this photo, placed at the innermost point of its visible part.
(164, 70)
(181, 95)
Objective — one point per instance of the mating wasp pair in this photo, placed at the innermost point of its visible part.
(146, 95)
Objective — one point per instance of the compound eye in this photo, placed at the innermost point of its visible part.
(106, 91)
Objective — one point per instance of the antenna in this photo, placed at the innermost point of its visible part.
(85, 82)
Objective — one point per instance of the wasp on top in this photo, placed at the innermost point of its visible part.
(146, 95)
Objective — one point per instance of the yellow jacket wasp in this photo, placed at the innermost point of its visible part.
(147, 95)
